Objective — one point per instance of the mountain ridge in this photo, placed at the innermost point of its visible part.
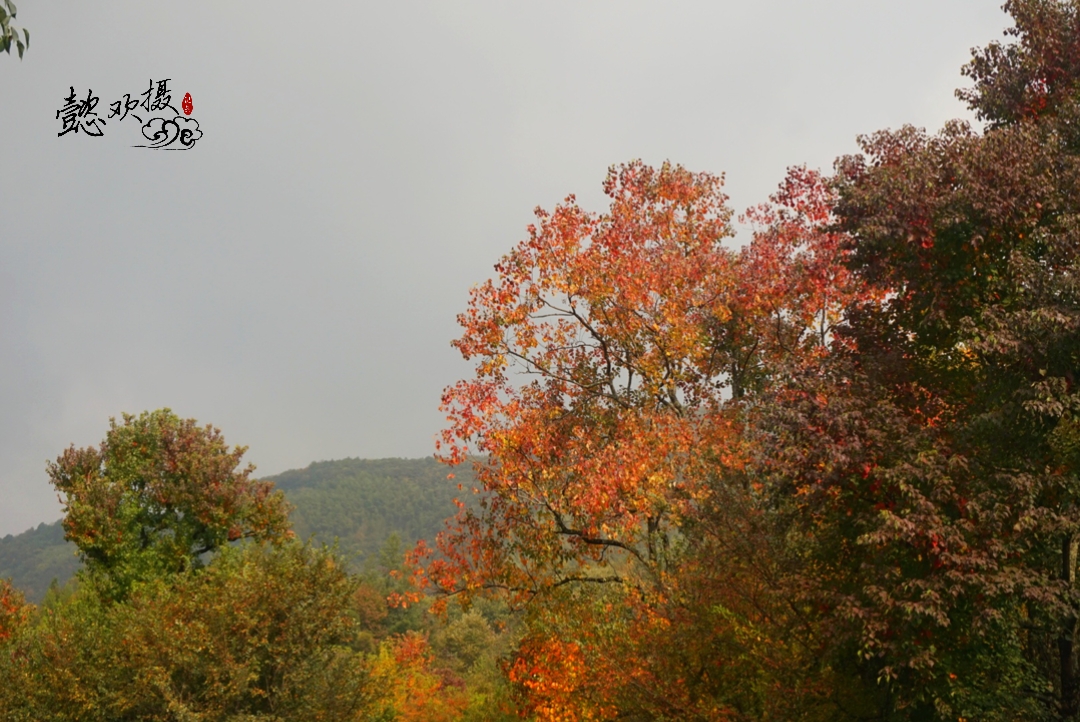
(357, 503)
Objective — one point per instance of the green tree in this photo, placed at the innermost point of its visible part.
(158, 494)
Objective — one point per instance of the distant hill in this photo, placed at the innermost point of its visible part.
(360, 502)
(36, 557)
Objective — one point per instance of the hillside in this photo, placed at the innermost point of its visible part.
(36, 557)
(359, 502)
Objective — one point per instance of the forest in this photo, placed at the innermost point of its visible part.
(831, 473)
(356, 503)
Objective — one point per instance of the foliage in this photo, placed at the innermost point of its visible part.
(633, 325)
(9, 33)
(1034, 76)
(360, 503)
(907, 560)
(473, 647)
(844, 458)
(420, 693)
(930, 470)
(601, 311)
(443, 667)
(262, 632)
(36, 557)
(645, 337)
(14, 611)
(156, 495)
(357, 503)
(184, 625)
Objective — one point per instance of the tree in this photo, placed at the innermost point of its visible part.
(641, 339)
(14, 611)
(9, 33)
(907, 556)
(931, 468)
(635, 326)
(857, 439)
(158, 494)
(262, 632)
(606, 314)
(172, 621)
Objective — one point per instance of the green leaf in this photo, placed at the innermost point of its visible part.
(27, 34)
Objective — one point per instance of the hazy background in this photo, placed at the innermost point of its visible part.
(294, 277)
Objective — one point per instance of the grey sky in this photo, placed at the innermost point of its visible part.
(294, 277)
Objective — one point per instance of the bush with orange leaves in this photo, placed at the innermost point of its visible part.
(14, 610)
(419, 693)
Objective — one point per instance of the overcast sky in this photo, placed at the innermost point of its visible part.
(293, 278)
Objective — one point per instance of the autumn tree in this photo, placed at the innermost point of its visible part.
(632, 331)
(930, 468)
(615, 354)
(156, 495)
(858, 435)
(601, 312)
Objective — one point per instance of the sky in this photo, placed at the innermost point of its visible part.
(294, 276)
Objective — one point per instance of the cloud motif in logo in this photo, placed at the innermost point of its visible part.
(163, 132)
(189, 131)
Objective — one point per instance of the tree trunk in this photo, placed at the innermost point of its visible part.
(1068, 631)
